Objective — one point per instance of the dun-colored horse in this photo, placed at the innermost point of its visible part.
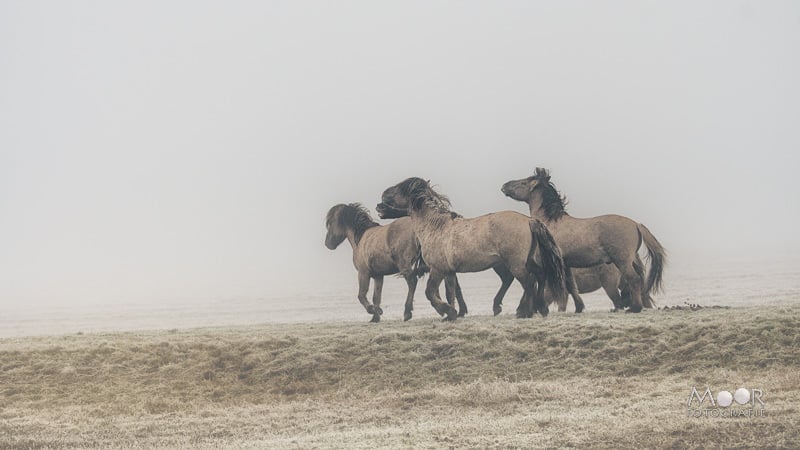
(592, 241)
(605, 276)
(451, 244)
(379, 251)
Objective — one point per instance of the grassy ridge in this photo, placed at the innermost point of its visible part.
(485, 382)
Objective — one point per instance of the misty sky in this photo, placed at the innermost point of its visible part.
(190, 150)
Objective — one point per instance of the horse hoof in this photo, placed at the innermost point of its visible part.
(462, 313)
(375, 318)
(370, 309)
(497, 310)
(443, 309)
(377, 310)
(407, 316)
(451, 315)
(579, 310)
(522, 315)
(634, 309)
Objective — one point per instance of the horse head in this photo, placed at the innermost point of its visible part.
(346, 217)
(336, 232)
(522, 189)
(400, 199)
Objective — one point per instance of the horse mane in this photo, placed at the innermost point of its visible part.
(422, 196)
(355, 216)
(553, 203)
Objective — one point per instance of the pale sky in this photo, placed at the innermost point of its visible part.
(190, 150)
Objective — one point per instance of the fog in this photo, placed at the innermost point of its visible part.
(172, 151)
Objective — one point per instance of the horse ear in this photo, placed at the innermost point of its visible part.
(542, 174)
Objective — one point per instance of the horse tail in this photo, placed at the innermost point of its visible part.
(419, 267)
(550, 255)
(658, 260)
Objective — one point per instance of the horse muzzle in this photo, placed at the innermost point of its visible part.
(388, 212)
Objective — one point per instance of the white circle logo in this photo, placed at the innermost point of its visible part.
(742, 396)
(724, 398)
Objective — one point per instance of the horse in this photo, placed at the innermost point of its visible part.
(605, 276)
(451, 244)
(378, 251)
(387, 212)
(587, 242)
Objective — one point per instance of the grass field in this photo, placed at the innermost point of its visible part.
(591, 380)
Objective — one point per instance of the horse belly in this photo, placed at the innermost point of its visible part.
(473, 260)
(584, 257)
(383, 266)
(587, 279)
(473, 266)
(376, 256)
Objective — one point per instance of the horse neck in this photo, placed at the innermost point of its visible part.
(535, 206)
(351, 238)
(537, 212)
(429, 223)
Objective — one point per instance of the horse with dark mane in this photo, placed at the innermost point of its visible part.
(452, 244)
(379, 251)
(592, 241)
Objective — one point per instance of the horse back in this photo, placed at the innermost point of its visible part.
(480, 242)
(594, 239)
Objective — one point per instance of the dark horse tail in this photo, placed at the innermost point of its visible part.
(658, 259)
(550, 255)
(420, 268)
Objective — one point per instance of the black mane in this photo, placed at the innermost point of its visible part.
(421, 194)
(553, 203)
(354, 216)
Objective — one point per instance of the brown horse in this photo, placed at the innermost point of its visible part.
(592, 241)
(452, 244)
(506, 278)
(605, 276)
(379, 251)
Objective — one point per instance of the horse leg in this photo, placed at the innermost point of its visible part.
(525, 307)
(363, 287)
(462, 305)
(647, 300)
(530, 302)
(625, 295)
(506, 278)
(572, 287)
(376, 299)
(411, 280)
(533, 297)
(634, 282)
(613, 293)
(432, 293)
(535, 292)
(450, 291)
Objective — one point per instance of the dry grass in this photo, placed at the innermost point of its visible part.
(591, 380)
